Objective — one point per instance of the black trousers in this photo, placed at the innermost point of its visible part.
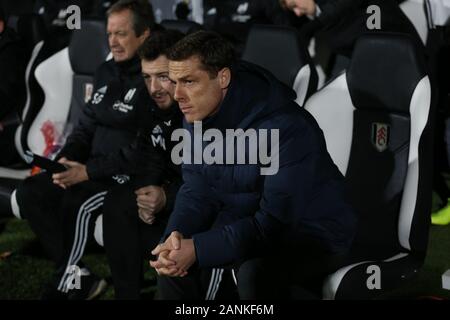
(128, 240)
(63, 220)
(199, 284)
(293, 273)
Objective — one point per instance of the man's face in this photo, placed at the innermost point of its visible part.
(197, 94)
(122, 39)
(156, 76)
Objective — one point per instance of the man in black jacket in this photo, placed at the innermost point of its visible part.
(343, 21)
(138, 211)
(233, 18)
(239, 206)
(61, 208)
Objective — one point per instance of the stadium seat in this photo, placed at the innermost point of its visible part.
(416, 11)
(66, 80)
(291, 65)
(184, 26)
(377, 122)
(85, 62)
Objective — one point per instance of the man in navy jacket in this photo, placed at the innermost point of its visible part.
(247, 214)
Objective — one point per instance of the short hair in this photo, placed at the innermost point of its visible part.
(159, 43)
(142, 11)
(214, 52)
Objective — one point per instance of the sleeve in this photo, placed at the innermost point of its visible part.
(196, 207)
(333, 11)
(78, 143)
(274, 12)
(140, 158)
(282, 197)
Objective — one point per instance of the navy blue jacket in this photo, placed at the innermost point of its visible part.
(232, 212)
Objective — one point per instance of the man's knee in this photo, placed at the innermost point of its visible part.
(32, 192)
(255, 281)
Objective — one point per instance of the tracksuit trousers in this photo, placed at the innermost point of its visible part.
(63, 220)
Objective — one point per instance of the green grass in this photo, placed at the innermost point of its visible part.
(26, 271)
(24, 274)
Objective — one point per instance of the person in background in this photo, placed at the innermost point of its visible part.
(61, 208)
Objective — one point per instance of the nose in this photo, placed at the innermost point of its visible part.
(155, 86)
(112, 41)
(178, 94)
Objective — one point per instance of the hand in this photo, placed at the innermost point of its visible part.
(150, 200)
(75, 173)
(301, 7)
(185, 257)
(164, 265)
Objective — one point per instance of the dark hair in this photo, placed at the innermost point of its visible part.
(214, 52)
(142, 10)
(159, 43)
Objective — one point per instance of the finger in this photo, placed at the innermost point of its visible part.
(146, 199)
(142, 190)
(61, 175)
(179, 272)
(176, 239)
(165, 261)
(156, 264)
(149, 219)
(62, 160)
(71, 163)
(159, 248)
(143, 206)
(145, 213)
(59, 184)
(170, 272)
(67, 180)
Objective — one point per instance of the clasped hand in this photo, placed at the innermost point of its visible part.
(175, 256)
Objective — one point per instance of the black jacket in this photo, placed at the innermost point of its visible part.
(12, 73)
(233, 18)
(119, 111)
(232, 212)
(344, 21)
(149, 160)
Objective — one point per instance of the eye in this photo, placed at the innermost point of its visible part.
(163, 78)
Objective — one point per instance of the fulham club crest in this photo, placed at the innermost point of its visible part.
(380, 136)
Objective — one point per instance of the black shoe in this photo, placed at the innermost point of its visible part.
(91, 287)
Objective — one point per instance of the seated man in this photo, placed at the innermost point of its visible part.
(136, 213)
(240, 207)
(61, 208)
(344, 21)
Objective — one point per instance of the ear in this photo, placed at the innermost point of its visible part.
(224, 77)
(2, 26)
(145, 35)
